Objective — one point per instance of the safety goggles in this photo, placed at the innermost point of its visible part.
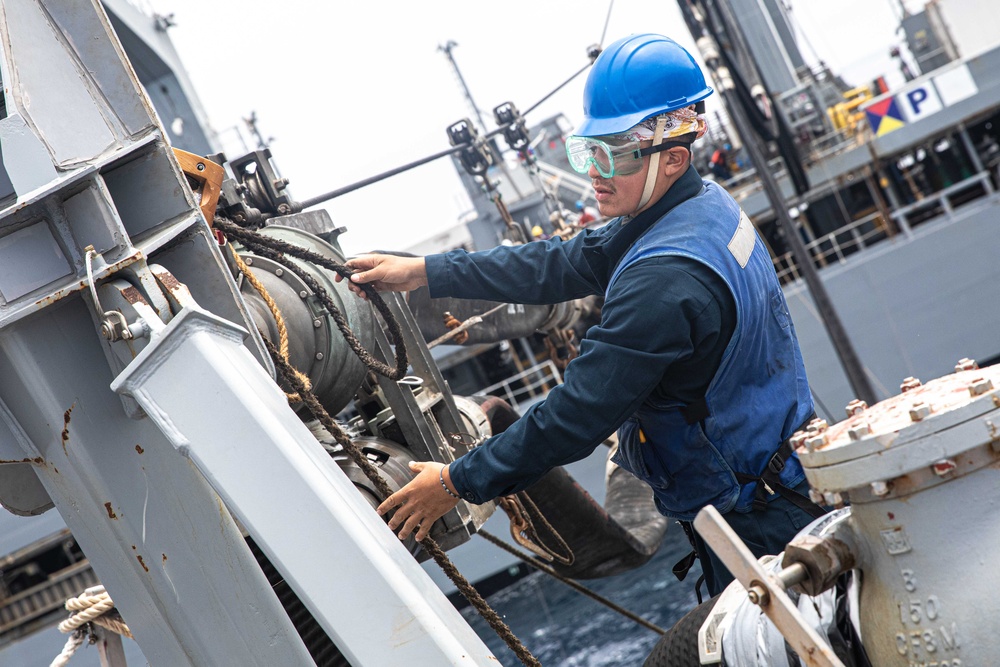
(610, 158)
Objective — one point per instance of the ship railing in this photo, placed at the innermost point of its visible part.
(941, 203)
(527, 387)
(31, 609)
(836, 246)
(857, 235)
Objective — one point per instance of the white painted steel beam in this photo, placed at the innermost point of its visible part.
(217, 406)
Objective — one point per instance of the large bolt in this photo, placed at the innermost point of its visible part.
(980, 386)
(817, 425)
(834, 498)
(249, 261)
(880, 489)
(966, 364)
(317, 324)
(816, 441)
(859, 431)
(908, 384)
(279, 272)
(303, 294)
(919, 410)
(856, 407)
(758, 595)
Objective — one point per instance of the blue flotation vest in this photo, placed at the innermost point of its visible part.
(759, 395)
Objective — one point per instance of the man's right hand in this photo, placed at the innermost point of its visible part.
(386, 273)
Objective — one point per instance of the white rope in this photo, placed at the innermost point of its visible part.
(74, 642)
(90, 607)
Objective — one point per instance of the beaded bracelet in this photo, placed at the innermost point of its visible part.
(445, 486)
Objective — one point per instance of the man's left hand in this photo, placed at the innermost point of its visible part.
(420, 503)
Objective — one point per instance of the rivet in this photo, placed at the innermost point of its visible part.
(980, 386)
(966, 364)
(859, 431)
(880, 489)
(201, 166)
(919, 410)
(249, 261)
(319, 356)
(856, 407)
(279, 272)
(909, 383)
(317, 324)
(303, 294)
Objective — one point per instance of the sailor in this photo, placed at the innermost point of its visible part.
(695, 361)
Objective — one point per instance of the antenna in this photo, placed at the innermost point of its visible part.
(446, 49)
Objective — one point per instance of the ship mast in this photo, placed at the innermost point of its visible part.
(724, 78)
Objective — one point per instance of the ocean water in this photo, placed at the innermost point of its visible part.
(564, 628)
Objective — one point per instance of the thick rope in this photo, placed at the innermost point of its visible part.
(429, 545)
(275, 249)
(95, 608)
(279, 319)
(537, 564)
(74, 642)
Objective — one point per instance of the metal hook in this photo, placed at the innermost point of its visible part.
(411, 381)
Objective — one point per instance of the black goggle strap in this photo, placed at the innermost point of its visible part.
(662, 147)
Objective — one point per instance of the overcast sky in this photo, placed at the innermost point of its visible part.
(348, 90)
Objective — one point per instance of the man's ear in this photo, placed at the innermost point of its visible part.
(677, 158)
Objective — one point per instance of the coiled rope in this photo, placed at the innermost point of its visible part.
(94, 607)
(429, 545)
(279, 319)
(275, 249)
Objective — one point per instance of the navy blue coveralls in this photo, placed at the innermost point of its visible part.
(672, 319)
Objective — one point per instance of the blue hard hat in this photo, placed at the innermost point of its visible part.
(638, 77)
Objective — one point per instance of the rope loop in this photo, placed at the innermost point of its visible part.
(276, 249)
(93, 607)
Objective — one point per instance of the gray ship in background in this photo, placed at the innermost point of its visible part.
(894, 193)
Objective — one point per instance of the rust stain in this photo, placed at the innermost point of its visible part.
(111, 512)
(65, 431)
(38, 459)
(168, 280)
(55, 469)
(139, 558)
(164, 557)
(133, 547)
(132, 295)
(139, 449)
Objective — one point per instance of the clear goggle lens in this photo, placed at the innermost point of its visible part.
(610, 158)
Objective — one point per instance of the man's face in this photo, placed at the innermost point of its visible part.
(620, 195)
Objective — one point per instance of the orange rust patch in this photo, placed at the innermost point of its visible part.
(111, 512)
(139, 558)
(132, 295)
(133, 547)
(139, 449)
(39, 460)
(65, 431)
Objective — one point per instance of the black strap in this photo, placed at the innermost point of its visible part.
(696, 411)
(769, 482)
(684, 565)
